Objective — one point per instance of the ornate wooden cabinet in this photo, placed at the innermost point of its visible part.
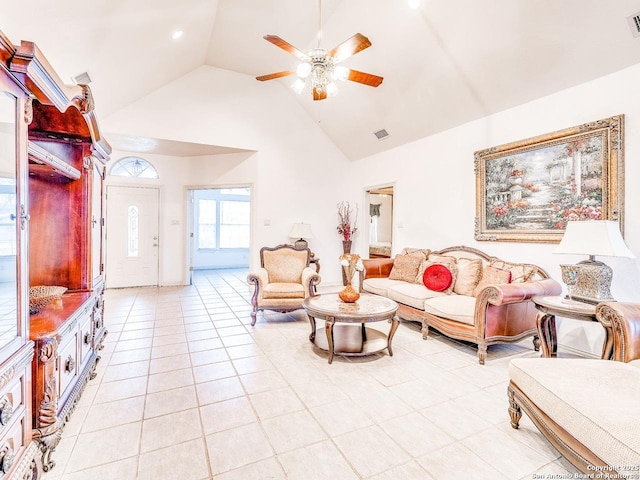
(59, 202)
(17, 450)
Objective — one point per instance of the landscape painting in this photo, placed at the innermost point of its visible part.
(529, 190)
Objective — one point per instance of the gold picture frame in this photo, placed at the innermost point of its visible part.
(526, 191)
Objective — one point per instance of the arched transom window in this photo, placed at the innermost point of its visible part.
(134, 167)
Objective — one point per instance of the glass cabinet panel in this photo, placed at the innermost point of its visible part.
(9, 220)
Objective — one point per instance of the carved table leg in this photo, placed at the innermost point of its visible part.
(546, 324)
(329, 331)
(392, 332)
(514, 409)
(312, 335)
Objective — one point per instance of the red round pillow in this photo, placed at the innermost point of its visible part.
(437, 277)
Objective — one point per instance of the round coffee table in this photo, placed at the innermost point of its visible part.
(351, 337)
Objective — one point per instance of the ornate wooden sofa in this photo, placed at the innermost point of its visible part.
(587, 408)
(474, 309)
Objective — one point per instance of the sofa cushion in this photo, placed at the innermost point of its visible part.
(405, 267)
(596, 401)
(380, 286)
(520, 272)
(453, 307)
(411, 294)
(492, 276)
(283, 290)
(437, 277)
(469, 274)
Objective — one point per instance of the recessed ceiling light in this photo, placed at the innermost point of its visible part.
(177, 34)
(414, 4)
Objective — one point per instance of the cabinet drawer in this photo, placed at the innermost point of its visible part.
(12, 446)
(67, 362)
(12, 402)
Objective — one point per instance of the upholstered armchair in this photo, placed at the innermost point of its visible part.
(283, 281)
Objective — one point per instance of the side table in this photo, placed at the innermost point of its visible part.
(551, 306)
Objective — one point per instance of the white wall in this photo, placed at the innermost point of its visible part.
(296, 173)
(434, 182)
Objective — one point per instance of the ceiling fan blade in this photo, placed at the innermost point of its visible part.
(271, 76)
(365, 78)
(349, 47)
(319, 95)
(286, 46)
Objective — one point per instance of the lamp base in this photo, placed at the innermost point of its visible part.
(593, 283)
(300, 244)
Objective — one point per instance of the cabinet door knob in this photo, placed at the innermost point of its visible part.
(70, 364)
(6, 410)
(87, 338)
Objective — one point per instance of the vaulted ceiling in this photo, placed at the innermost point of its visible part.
(444, 63)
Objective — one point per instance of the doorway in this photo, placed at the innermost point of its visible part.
(219, 228)
(380, 201)
(132, 258)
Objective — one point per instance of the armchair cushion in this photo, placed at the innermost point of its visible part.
(285, 265)
(283, 290)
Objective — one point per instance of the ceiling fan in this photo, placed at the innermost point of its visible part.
(322, 67)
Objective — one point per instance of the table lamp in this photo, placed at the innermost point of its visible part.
(301, 231)
(589, 281)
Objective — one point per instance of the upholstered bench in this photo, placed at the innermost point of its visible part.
(588, 409)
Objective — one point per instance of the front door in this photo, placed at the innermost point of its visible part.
(132, 236)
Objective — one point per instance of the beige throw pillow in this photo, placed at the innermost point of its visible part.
(469, 274)
(520, 272)
(405, 267)
(492, 276)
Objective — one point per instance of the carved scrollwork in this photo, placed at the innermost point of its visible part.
(86, 102)
(49, 350)
(7, 457)
(49, 405)
(28, 110)
(6, 410)
(6, 377)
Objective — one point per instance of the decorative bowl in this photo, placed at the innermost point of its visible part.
(42, 295)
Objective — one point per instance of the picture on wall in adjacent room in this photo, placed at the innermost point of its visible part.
(528, 190)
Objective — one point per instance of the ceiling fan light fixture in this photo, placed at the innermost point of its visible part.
(298, 85)
(340, 73)
(332, 89)
(303, 70)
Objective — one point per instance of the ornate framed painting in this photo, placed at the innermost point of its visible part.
(526, 191)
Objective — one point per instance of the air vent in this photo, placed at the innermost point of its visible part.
(82, 79)
(634, 24)
(381, 134)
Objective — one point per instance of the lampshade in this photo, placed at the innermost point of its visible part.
(301, 230)
(594, 237)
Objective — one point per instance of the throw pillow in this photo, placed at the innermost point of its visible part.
(435, 258)
(520, 272)
(423, 253)
(437, 277)
(405, 267)
(492, 276)
(469, 274)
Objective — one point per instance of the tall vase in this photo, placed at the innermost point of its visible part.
(346, 246)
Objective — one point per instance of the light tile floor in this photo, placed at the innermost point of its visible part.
(187, 389)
